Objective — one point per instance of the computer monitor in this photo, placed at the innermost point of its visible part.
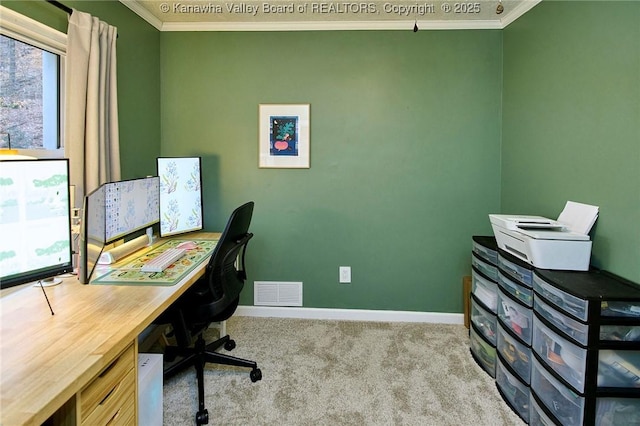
(180, 195)
(114, 211)
(35, 220)
(130, 205)
(92, 233)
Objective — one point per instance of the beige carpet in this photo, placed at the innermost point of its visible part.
(343, 373)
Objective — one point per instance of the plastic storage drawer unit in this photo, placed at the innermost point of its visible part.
(486, 248)
(515, 268)
(565, 358)
(485, 291)
(620, 333)
(618, 411)
(483, 352)
(515, 316)
(516, 355)
(574, 329)
(486, 268)
(618, 368)
(485, 321)
(537, 416)
(513, 391)
(517, 290)
(566, 406)
(570, 304)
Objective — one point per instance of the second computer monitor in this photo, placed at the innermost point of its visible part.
(130, 205)
(180, 195)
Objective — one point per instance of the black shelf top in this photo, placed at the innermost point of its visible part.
(486, 241)
(511, 258)
(592, 285)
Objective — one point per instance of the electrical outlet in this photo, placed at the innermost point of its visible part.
(345, 274)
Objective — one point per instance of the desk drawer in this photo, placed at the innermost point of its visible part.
(109, 391)
(118, 408)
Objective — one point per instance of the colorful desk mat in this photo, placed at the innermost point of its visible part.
(130, 274)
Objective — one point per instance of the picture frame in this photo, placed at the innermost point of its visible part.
(284, 136)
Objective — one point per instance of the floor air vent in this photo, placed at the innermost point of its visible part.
(274, 293)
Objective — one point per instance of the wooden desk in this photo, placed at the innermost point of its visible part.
(45, 360)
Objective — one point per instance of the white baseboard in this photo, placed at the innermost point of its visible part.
(349, 314)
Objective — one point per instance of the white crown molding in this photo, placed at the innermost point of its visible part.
(349, 314)
(329, 25)
(142, 12)
(27, 30)
(520, 10)
(470, 24)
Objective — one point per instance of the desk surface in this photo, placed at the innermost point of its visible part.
(45, 360)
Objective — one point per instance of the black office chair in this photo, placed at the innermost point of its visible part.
(213, 298)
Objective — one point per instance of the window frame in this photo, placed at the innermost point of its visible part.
(30, 31)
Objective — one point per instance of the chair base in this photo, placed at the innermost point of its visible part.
(200, 354)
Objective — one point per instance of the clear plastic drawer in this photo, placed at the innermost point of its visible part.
(572, 328)
(513, 390)
(562, 356)
(486, 253)
(515, 354)
(566, 406)
(617, 411)
(486, 268)
(618, 368)
(537, 416)
(620, 309)
(519, 291)
(522, 274)
(485, 291)
(485, 321)
(565, 301)
(620, 333)
(484, 353)
(516, 317)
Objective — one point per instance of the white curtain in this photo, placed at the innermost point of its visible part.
(91, 112)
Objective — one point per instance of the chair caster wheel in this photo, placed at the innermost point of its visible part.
(230, 345)
(255, 375)
(202, 417)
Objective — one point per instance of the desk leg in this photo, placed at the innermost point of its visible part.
(65, 416)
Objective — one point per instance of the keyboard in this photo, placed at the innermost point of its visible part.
(163, 260)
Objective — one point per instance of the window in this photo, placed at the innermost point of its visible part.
(31, 86)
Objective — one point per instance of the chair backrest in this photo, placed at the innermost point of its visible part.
(226, 270)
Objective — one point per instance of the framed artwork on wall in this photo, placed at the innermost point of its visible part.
(284, 136)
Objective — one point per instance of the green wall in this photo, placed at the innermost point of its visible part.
(571, 120)
(138, 76)
(415, 139)
(405, 155)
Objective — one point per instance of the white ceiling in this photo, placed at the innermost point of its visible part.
(299, 15)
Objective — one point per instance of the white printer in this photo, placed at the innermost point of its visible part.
(546, 243)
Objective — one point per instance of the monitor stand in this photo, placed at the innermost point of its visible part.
(47, 282)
